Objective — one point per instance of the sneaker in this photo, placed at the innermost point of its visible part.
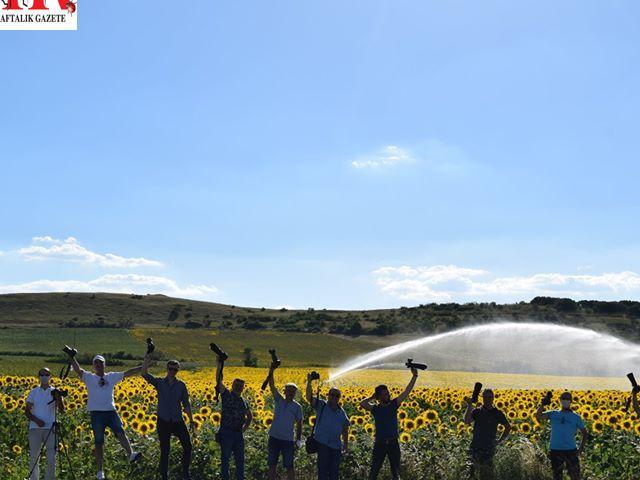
(135, 456)
(100, 475)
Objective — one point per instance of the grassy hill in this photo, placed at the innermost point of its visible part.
(103, 310)
(33, 327)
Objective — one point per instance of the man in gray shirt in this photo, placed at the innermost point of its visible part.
(173, 396)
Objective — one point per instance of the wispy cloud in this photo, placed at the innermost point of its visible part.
(433, 154)
(70, 250)
(451, 282)
(386, 157)
(115, 283)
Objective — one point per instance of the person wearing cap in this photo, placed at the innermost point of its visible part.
(40, 409)
(287, 414)
(102, 407)
(173, 398)
(564, 425)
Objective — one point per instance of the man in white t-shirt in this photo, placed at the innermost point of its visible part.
(41, 411)
(102, 407)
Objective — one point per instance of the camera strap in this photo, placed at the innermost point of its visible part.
(64, 373)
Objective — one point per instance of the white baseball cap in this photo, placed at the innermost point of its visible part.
(99, 358)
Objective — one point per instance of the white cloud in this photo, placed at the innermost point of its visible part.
(70, 250)
(387, 157)
(115, 283)
(450, 282)
(437, 156)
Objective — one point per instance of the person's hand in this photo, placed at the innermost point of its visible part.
(298, 444)
(309, 376)
(39, 422)
(414, 372)
(636, 390)
(468, 401)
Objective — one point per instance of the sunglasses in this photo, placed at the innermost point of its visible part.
(173, 369)
(336, 395)
(44, 374)
(102, 382)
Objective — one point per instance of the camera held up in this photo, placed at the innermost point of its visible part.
(222, 355)
(411, 364)
(546, 401)
(150, 346)
(314, 375)
(72, 352)
(476, 392)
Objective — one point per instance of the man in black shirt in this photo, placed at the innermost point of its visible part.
(236, 418)
(485, 427)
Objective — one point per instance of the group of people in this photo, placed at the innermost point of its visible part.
(330, 434)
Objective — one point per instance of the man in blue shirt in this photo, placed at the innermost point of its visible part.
(287, 413)
(331, 423)
(564, 426)
(385, 414)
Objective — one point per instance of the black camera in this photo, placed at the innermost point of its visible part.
(59, 393)
(275, 361)
(411, 364)
(222, 355)
(72, 352)
(150, 346)
(547, 399)
(476, 392)
(314, 375)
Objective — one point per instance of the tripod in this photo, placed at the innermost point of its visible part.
(58, 434)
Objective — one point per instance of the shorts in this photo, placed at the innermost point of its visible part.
(101, 420)
(276, 447)
(560, 458)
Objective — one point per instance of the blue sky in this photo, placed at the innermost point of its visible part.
(329, 154)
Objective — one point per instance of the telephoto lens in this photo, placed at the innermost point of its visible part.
(476, 392)
(314, 375)
(218, 351)
(56, 392)
(72, 352)
(275, 361)
(411, 364)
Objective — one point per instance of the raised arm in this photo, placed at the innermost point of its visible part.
(219, 376)
(76, 366)
(402, 397)
(367, 404)
(309, 392)
(132, 371)
(272, 385)
(468, 414)
(540, 414)
(634, 402)
(345, 439)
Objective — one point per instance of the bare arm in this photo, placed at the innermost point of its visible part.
(76, 366)
(367, 404)
(309, 392)
(186, 404)
(468, 414)
(345, 439)
(298, 430)
(272, 385)
(132, 371)
(219, 376)
(507, 429)
(540, 415)
(403, 396)
(247, 419)
(583, 440)
(60, 404)
(634, 402)
(31, 416)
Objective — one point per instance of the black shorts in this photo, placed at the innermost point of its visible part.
(560, 458)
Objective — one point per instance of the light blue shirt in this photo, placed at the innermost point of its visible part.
(564, 426)
(330, 424)
(285, 415)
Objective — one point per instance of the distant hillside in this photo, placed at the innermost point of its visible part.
(125, 311)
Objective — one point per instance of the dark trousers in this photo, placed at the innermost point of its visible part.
(328, 462)
(560, 459)
(179, 429)
(231, 443)
(385, 448)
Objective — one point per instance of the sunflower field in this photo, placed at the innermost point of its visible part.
(434, 438)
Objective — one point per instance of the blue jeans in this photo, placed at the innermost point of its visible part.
(328, 462)
(101, 420)
(231, 442)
